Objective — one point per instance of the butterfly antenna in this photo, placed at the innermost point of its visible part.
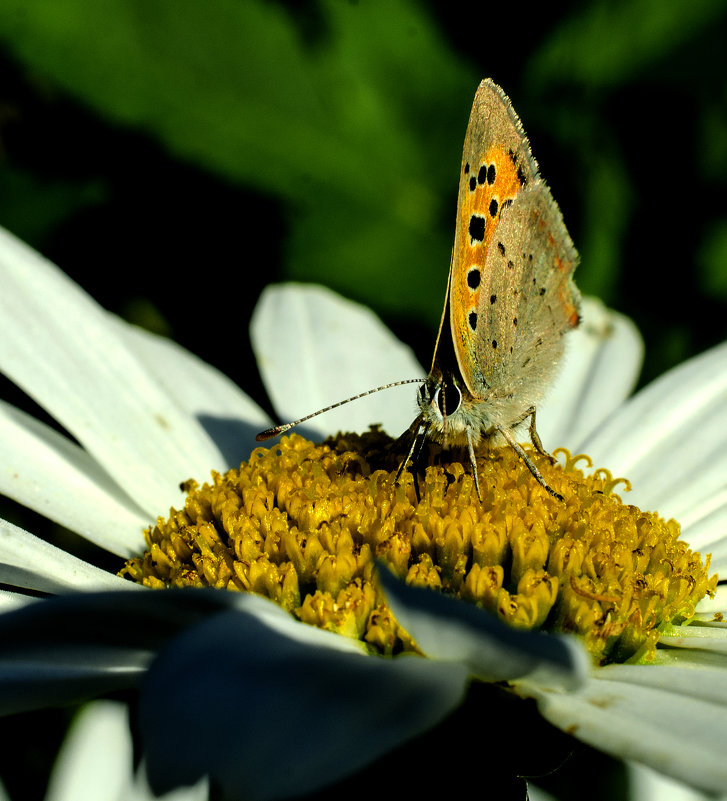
(275, 430)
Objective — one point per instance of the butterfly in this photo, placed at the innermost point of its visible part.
(510, 297)
(510, 294)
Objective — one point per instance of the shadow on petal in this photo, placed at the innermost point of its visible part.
(269, 717)
(234, 438)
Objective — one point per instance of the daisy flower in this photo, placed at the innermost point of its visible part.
(613, 626)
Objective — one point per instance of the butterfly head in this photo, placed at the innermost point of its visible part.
(443, 406)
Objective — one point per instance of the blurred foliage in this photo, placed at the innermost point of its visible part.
(146, 143)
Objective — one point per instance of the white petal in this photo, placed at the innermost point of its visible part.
(681, 735)
(648, 785)
(451, 630)
(704, 638)
(719, 558)
(28, 562)
(341, 709)
(704, 527)
(689, 658)
(716, 604)
(45, 471)
(96, 759)
(315, 348)
(536, 793)
(601, 365)
(54, 677)
(61, 348)
(71, 647)
(229, 416)
(707, 621)
(142, 792)
(14, 600)
(705, 684)
(669, 439)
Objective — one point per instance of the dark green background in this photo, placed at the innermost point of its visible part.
(175, 156)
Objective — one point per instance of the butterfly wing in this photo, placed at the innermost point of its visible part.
(504, 211)
(496, 165)
(528, 301)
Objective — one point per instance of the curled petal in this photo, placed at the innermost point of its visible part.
(340, 708)
(447, 629)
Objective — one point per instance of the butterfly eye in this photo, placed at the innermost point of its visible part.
(447, 398)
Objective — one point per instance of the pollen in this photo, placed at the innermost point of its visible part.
(305, 524)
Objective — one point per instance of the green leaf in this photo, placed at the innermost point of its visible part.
(605, 42)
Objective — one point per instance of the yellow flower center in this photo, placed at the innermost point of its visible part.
(303, 524)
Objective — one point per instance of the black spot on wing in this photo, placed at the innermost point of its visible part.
(473, 277)
(477, 228)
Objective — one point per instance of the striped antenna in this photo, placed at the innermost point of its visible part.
(275, 430)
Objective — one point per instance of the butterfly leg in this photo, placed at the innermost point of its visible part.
(518, 448)
(534, 438)
(415, 451)
(473, 461)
